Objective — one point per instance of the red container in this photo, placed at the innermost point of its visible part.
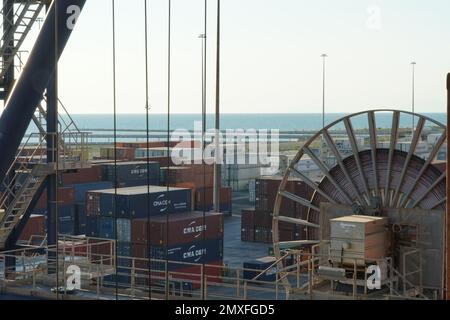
(118, 152)
(203, 175)
(204, 196)
(263, 235)
(102, 251)
(248, 217)
(87, 175)
(176, 175)
(73, 247)
(163, 161)
(263, 219)
(35, 227)
(247, 234)
(266, 193)
(66, 196)
(289, 235)
(93, 204)
(184, 228)
(212, 273)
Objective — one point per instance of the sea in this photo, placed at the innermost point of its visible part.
(132, 127)
(282, 122)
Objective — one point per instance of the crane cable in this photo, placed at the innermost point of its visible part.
(168, 143)
(204, 126)
(147, 109)
(115, 143)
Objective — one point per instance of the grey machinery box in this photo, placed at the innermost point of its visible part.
(358, 238)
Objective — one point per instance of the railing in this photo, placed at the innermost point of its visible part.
(141, 279)
(24, 161)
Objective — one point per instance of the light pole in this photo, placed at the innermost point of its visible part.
(323, 56)
(413, 65)
(202, 37)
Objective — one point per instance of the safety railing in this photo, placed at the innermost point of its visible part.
(107, 276)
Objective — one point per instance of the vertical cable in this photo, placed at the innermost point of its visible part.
(56, 144)
(204, 139)
(147, 108)
(115, 141)
(168, 140)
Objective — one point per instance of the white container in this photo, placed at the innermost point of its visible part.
(252, 191)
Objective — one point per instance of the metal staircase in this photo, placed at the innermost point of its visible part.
(30, 168)
(25, 13)
(24, 177)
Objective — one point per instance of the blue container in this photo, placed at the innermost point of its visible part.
(141, 182)
(80, 219)
(67, 227)
(105, 228)
(124, 249)
(201, 252)
(133, 203)
(124, 230)
(122, 279)
(91, 226)
(67, 220)
(123, 276)
(224, 207)
(260, 264)
(130, 172)
(83, 188)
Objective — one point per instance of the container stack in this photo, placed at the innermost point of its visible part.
(120, 153)
(187, 239)
(256, 223)
(131, 174)
(34, 231)
(168, 231)
(66, 209)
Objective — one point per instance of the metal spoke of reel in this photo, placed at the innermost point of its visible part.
(381, 174)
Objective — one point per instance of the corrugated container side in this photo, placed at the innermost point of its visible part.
(93, 204)
(248, 217)
(35, 226)
(191, 276)
(66, 196)
(135, 206)
(83, 188)
(263, 234)
(129, 173)
(199, 252)
(247, 234)
(205, 197)
(91, 226)
(86, 175)
(80, 219)
(182, 229)
(124, 230)
(105, 228)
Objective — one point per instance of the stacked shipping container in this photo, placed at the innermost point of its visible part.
(89, 205)
(256, 223)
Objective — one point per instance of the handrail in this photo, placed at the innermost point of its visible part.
(271, 266)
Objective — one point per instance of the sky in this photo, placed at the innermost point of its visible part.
(270, 56)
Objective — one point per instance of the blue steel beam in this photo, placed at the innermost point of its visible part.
(31, 85)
